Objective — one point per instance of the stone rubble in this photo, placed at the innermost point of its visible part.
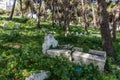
(74, 54)
(40, 76)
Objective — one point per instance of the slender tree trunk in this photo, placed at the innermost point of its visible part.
(104, 27)
(11, 15)
(66, 16)
(113, 35)
(94, 17)
(116, 18)
(21, 9)
(53, 13)
(59, 19)
(38, 14)
(86, 24)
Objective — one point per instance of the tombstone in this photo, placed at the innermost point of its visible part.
(52, 32)
(76, 34)
(80, 57)
(59, 52)
(96, 35)
(67, 33)
(44, 29)
(71, 32)
(49, 41)
(98, 53)
(40, 76)
(5, 25)
(17, 25)
(85, 58)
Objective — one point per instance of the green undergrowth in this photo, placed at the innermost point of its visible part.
(21, 53)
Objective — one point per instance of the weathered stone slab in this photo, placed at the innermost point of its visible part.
(98, 53)
(96, 35)
(79, 57)
(40, 76)
(5, 25)
(17, 26)
(57, 52)
(86, 58)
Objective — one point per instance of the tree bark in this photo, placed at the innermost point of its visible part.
(104, 28)
(115, 19)
(21, 9)
(66, 16)
(113, 35)
(86, 24)
(53, 13)
(94, 17)
(11, 15)
(38, 13)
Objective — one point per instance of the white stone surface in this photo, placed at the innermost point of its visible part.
(99, 53)
(57, 52)
(39, 76)
(49, 41)
(85, 58)
(5, 25)
(44, 29)
(96, 35)
(17, 25)
(82, 57)
(78, 34)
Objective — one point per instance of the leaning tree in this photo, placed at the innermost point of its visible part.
(104, 27)
(13, 8)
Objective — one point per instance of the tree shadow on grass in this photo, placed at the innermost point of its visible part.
(19, 20)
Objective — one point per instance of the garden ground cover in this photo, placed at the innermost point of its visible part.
(21, 53)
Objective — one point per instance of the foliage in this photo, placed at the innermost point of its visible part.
(21, 56)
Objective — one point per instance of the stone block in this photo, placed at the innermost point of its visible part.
(79, 57)
(98, 53)
(40, 76)
(86, 58)
(57, 52)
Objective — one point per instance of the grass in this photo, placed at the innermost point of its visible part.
(21, 53)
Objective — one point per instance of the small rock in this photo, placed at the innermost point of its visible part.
(57, 52)
(40, 76)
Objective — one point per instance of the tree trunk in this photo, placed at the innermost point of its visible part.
(66, 16)
(38, 14)
(13, 7)
(104, 28)
(86, 24)
(94, 17)
(113, 35)
(116, 18)
(21, 9)
(53, 14)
